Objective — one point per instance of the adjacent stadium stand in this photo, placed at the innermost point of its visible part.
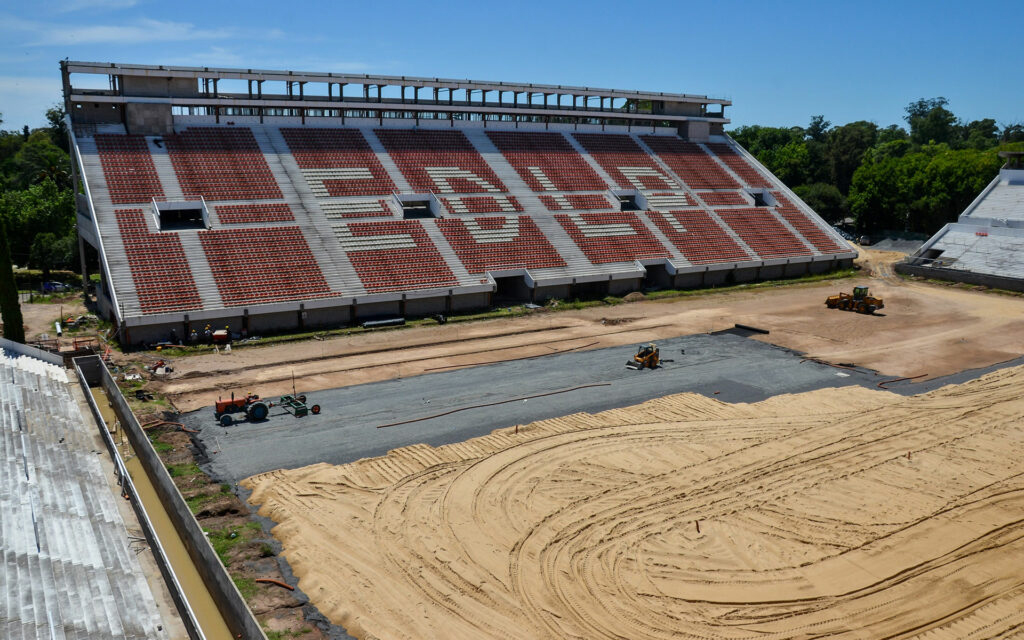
(499, 242)
(268, 264)
(986, 244)
(128, 169)
(691, 163)
(220, 163)
(727, 154)
(160, 270)
(441, 161)
(394, 256)
(338, 162)
(611, 237)
(65, 565)
(546, 161)
(697, 236)
(625, 161)
(248, 213)
(575, 201)
(763, 232)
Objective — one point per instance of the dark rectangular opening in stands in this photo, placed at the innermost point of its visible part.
(179, 216)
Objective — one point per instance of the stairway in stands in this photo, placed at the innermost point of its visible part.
(165, 170)
(337, 268)
(113, 247)
(385, 159)
(505, 171)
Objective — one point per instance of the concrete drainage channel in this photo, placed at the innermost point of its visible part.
(210, 605)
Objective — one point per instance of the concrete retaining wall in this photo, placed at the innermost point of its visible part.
(90, 372)
(229, 601)
(955, 275)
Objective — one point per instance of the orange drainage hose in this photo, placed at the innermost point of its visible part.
(160, 423)
(491, 404)
(881, 385)
(277, 582)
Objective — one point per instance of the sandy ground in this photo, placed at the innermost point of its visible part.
(838, 512)
(924, 329)
(38, 317)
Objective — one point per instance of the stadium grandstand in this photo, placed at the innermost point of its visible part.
(986, 244)
(278, 200)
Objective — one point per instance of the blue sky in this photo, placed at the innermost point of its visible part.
(780, 63)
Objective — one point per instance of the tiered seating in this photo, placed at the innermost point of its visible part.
(763, 233)
(364, 209)
(724, 198)
(575, 201)
(739, 165)
(243, 213)
(482, 204)
(660, 201)
(442, 161)
(220, 163)
(807, 228)
(396, 255)
(263, 264)
(128, 169)
(628, 164)
(698, 237)
(611, 236)
(546, 161)
(499, 242)
(338, 162)
(691, 163)
(162, 276)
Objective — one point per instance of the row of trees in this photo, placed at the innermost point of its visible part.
(913, 178)
(36, 200)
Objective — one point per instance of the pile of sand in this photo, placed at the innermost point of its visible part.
(839, 511)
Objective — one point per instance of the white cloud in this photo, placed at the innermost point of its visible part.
(78, 5)
(138, 31)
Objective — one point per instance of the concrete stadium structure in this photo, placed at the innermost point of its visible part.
(280, 200)
(986, 244)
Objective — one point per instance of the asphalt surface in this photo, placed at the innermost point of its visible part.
(725, 366)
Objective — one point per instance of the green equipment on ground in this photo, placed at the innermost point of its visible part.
(296, 405)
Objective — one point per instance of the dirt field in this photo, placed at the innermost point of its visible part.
(924, 329)
(839, 512)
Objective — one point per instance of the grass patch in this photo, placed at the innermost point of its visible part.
(195, 503)
(160, 447)
(246, 587)
(184, 469)
(224, 540)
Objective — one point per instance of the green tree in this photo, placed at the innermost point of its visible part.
(920, 191)
(818, 129)
(50, 251)
(825, 199)
(1012, 133)
(37, 159)
(846, 147)
(930, 121)
(10, 308)
(41, 207)
(58, 129)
